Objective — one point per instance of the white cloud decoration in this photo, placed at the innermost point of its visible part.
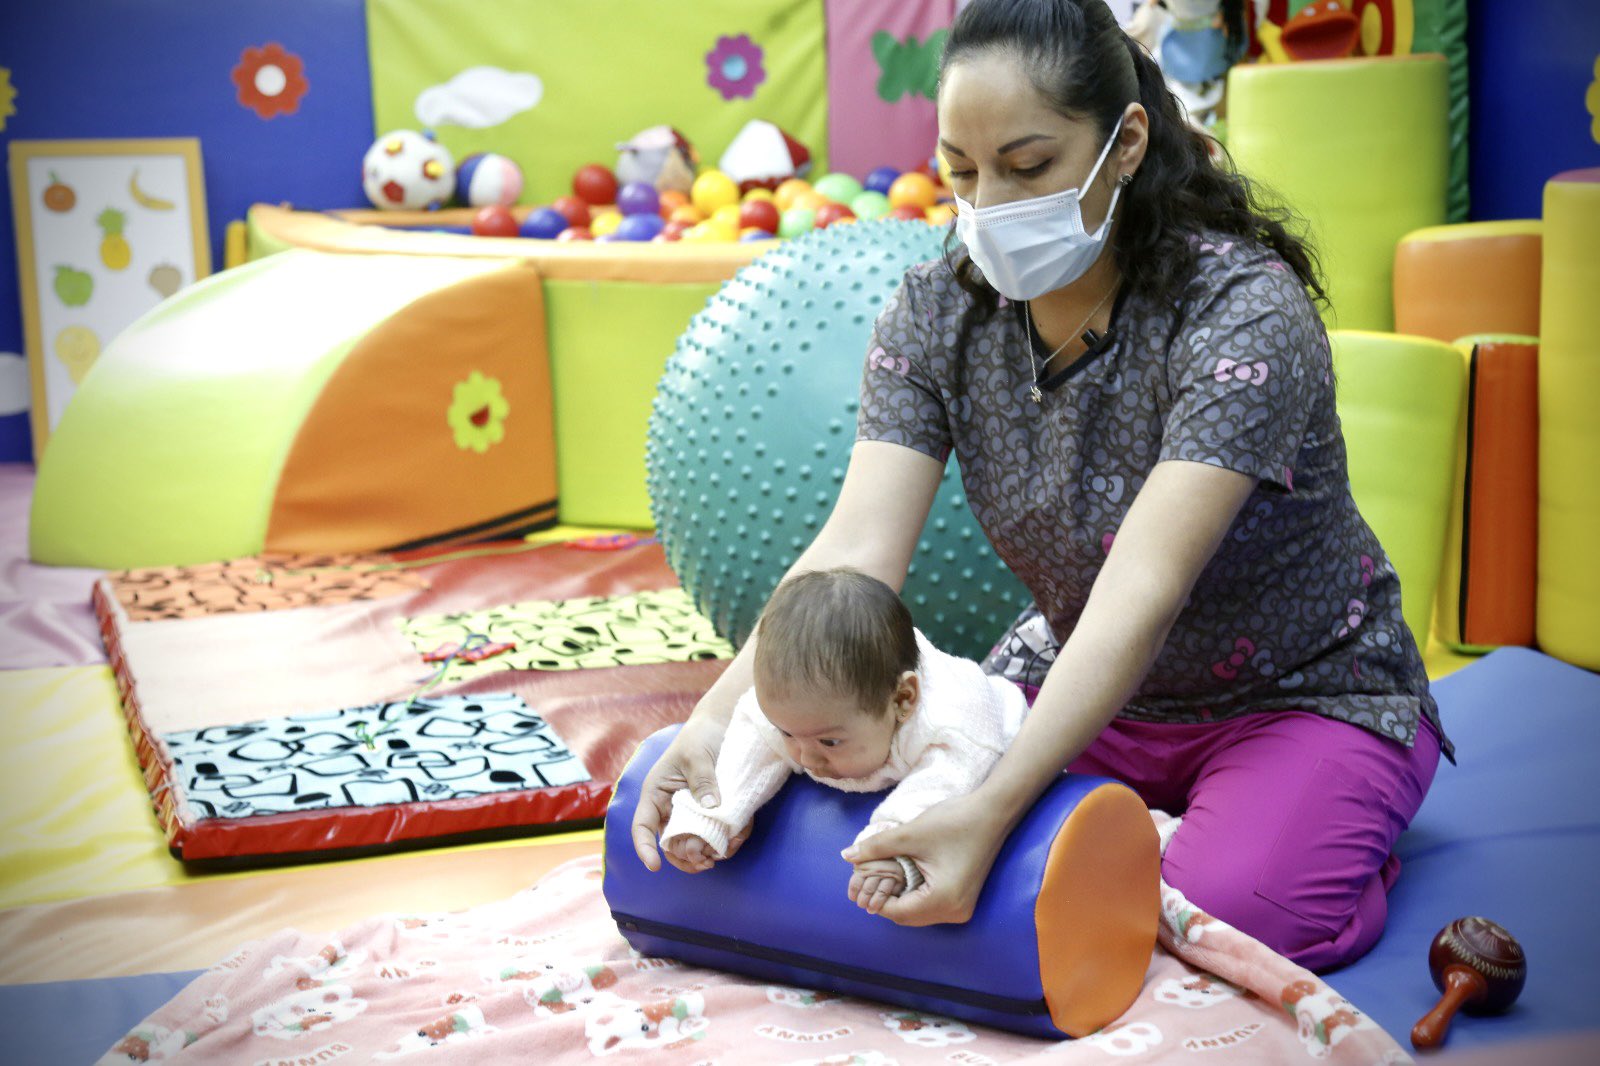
(479, 97)
(16, 389)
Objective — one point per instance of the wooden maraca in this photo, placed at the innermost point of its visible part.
(1480, 969)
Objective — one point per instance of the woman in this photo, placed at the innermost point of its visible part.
(1123, 355)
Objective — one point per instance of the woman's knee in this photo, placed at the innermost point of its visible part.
(1235, 896)
(1232, 896)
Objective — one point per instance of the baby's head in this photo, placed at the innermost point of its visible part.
(835, 670)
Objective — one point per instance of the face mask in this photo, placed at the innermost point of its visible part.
(1030, 247)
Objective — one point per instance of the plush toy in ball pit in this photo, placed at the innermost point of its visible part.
(763, 156)
(407, 170)
(659, 156)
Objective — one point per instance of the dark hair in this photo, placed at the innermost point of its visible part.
(1086, 67)
(838, 631)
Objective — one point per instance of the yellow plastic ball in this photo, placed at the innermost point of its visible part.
(785, 194)
(605, 222)
(720, 229)
(712, 190)
(941, 214)
(759, 193)
(727, 215)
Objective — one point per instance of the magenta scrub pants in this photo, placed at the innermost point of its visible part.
(1289, 821)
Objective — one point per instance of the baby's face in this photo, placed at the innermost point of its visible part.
(830, 735)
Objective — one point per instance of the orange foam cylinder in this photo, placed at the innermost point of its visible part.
(1477, 277)
(1486, 590)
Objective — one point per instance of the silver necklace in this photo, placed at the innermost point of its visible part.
(1033, 361)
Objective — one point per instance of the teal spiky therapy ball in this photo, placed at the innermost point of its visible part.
(752, 428)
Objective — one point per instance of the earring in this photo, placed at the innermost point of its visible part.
(1126, 179)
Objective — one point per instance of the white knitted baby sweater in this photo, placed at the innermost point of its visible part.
(963, 722)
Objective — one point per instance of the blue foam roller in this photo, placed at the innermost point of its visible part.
(1058, 946)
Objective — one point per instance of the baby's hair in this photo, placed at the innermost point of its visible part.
(836, 631)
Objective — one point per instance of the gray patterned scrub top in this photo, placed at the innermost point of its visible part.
(1299, 608)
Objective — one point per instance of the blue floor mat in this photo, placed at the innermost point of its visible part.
(1511, 833)
(73, 1023)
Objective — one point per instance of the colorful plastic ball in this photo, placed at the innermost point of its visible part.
(712, 190)
(796, 220)
(486, 178)
(810, 199)
(688, 214)
(760, 194)
(941, 214)
(605, 222)
(881, 179)
(640, 227)
(574, 210)
(575, 233)
(759, 214)
(721, 229)
(753, 233)
(496, 220)
(638, 198)
(595, 185)
(840, 188)
(545, 224)
(407, 170)
(870, 205)
(914, 189)
(673, 230)
(607, 238)
(671, 200)
(828, 214)
(727, 215)
(784, 195)
(909, 213)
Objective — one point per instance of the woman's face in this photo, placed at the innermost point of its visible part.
(1003, 141)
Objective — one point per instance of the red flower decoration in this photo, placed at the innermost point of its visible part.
(270, 81)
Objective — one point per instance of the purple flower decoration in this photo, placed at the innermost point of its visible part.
(733, 67)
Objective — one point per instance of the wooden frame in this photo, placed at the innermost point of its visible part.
(59, 229)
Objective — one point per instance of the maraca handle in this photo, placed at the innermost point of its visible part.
(1460, 986)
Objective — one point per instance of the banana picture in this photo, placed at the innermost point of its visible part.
(144, 199)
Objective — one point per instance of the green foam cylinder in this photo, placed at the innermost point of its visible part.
(1360, 148)
(753, 425)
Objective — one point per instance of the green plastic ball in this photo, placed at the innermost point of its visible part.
(840, 188)
(870, 205)
(795, 221)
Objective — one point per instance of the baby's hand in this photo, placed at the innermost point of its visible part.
(875, 883)
(694, 854)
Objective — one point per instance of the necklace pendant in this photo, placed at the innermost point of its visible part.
(1038, 397)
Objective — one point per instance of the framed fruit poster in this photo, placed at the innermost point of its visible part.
(106, 230)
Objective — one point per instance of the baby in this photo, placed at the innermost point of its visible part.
(849, 693)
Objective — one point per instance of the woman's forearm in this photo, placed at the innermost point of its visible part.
(1096, 672)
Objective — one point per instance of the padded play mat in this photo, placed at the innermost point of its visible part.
(286, 705)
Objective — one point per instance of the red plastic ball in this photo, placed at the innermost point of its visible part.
(908, 213)
(595, 185)
(496, 220)
(574, 210)
(830, 213)
(762, 214)
(575, 233)
(673, 231)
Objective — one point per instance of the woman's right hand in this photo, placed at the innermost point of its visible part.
(690, 761)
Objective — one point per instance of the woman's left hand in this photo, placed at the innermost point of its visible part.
(954, 843)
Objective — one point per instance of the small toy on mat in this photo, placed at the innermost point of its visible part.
(471, 653)
(1479, 967)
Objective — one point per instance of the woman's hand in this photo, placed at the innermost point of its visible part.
(954, 843)
(690, 761)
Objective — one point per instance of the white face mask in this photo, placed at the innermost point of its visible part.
(1030, 247)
